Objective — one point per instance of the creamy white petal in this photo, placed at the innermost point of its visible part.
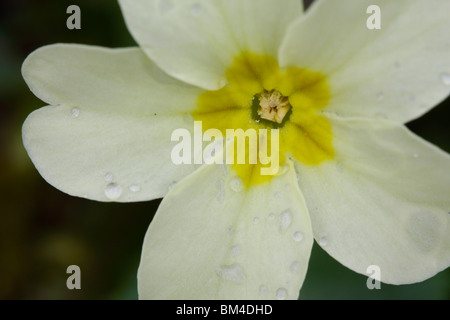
(196, 40)
(110, 136)
(213, 239)
(384, 201)
(399, 71)
(104, 157)
(106, 80)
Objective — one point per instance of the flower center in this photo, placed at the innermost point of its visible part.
(260, 95)
(273, 106)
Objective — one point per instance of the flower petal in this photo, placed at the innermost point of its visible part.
(384, 202)
(110, 136)
(121, 81)
(196, 40)
(213, 239)
(399, 71)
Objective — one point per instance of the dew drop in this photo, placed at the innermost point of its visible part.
(323, 241)
(415, 155)
(75, 112)
(281, 294)
(298, 236)
(445, 78)
(220, 196)
(233, 273)
(230, 230)
(236, 184)
(164, 6)
(109, 177)
(285, 219)
(255, 220)
(380, 96)
(235, 250)
(287, 187)
(134, 188)
(271, 216)
(277, 195)
(294, 266)
(113, 191)
(222, 82)
(196, 9)
(262, 290)
(172, 185)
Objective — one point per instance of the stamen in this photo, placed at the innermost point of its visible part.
(273, 106)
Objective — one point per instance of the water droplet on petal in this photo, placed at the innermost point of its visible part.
(380, 96)
(230, 230)
(109, 177)
(235, 250)
(134, 188)
(75, 112)
(233, 273)
(298, 236)
(281, 294)
(445, 78)
(277, 195)
(287, 187)
(271, 216)
(172, 185)
(415, 156)
(294, 266)
(262, 290)
(323, 241)
(236, 184)
(113, 191)
(164, 6)
(255, 220)
(285, 219)
(220, 196)
(196, 9)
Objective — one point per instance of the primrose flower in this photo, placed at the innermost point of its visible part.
(352, 176)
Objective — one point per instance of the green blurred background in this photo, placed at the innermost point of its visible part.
(43, 231)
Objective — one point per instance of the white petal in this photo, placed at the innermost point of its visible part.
(196, 40)
(110, 138)
(399, 71)
(104, 157)
(385, 201)
(105, 80)
(212, 240)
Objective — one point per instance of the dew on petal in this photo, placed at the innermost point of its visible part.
(262, 290)
(233, 273)
(230, 230)
(281, 294)
(277, 195)
(172, 185)
(236, 184)
(164, 6)
(196, 9)
(109, 177)
(134, 188)
(75, 112)
(415, 155)
(298, 236)
(113, 191)
(285, 219)
(235, 250)
(380, 96)
(255, 220)
(323, 241)
(294, 266)
(220, 196)
(287, 187)
(445, 78)
(271, 216)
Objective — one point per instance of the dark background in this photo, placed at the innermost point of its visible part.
(43, 231)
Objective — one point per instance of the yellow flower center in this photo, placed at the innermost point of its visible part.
(260, 95)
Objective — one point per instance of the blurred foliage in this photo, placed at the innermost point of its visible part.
(43, 231)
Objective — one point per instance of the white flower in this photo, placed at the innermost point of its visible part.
(355, 179)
